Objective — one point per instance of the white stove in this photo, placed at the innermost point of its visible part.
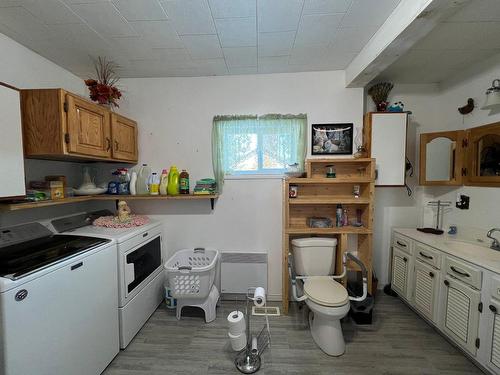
(140, 268)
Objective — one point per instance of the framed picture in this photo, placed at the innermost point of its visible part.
(332, 139)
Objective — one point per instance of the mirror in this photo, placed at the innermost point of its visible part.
(440, 159)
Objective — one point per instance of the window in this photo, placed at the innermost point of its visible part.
(257, 145)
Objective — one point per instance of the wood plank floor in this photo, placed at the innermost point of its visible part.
(398, 342)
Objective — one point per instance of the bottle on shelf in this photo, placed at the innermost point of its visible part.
(338, 215)
(345, 219)
(154, 184)
(142, 187)
(133, 183)
(173, 181)
(184, 182)
(163, 182)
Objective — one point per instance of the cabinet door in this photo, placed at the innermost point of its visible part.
(124, 136)
(400, 272)
(461, 313)
(494, 339)
(483, 155)
(426, 290)
(88, 128)
(11, 144)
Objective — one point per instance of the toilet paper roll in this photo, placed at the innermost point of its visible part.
(238, 342)
(259, 297)
(254, 344)
(236, 323)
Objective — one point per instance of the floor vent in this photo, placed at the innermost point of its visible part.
(263, 311)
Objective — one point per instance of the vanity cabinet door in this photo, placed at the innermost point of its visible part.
(483, 155)
(494, 340)
(461, 313)
(401, 272)
(426, 290)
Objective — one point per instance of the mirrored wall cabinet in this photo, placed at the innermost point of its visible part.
(461, 157)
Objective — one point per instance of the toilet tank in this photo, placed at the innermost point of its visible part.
(314, 256)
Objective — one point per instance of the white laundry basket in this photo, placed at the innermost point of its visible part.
(191, 272)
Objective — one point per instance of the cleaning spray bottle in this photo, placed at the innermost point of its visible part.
(163, 182)
(173, 181)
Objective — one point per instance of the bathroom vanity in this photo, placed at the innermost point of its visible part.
(454, 284)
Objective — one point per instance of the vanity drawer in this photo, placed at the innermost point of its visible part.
(402, 243)
(427, 254)
(495, 288)
(464, 272)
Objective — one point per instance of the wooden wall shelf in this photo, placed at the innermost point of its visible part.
(85, 198)
(318, 196)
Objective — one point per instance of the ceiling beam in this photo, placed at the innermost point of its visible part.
(407, 24)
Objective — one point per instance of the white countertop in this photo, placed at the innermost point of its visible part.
(479, 254)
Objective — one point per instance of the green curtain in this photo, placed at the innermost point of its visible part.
(270, 141)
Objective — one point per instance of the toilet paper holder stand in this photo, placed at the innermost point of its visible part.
(248, 360)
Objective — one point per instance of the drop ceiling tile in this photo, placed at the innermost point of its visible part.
(173, 57)
(104, 18)
(80, 35)
(240, 56)
(318, 28)
(190, 16)
(140, 10)
(335, 60)
(244, 70)
(272, 64)
(276, 44)
(202, 46)
(51, 12)
(233, 8)
(237, 32)
(302, 55)
(478, 11)
(159, 68)
(84, 1)
(210, 67)
(130, 47)
(352, 39)
(473, 36)
(326, 6)
(22, 22)
(159, 34)
(368, 12)
(278, 15)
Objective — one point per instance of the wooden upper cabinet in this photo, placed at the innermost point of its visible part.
(124, 136)
(89, 130)
(63, 126)
(483, 155)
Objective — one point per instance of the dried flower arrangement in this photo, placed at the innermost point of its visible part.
(103, 89)
(379, 93)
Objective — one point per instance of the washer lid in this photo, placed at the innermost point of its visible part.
(314, 241)
(326, 292)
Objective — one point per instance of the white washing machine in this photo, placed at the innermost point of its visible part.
(140, 268)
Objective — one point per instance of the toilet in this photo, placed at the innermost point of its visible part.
(328, 300)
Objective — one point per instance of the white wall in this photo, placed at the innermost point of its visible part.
(175, 119)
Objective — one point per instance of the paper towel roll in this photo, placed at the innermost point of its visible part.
(259, 297)
(236, 322)
(238, 342)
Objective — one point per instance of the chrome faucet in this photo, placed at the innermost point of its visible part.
(495, 245)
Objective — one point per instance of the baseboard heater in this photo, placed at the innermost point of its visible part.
(240, 271)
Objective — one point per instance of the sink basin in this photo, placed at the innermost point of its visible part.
(461, 245)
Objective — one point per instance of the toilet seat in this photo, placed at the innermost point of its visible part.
(326, 292)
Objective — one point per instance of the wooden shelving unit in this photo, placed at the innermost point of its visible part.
(319, 196)
(29, 205)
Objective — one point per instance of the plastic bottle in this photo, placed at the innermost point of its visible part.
(338, 215)
(173, 181)
(133, 183)
(142, 180)
(163, 182)
(154, 184)
(184, 182)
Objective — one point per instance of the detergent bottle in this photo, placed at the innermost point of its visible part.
(173, 181)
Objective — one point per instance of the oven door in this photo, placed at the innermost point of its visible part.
(140, 265)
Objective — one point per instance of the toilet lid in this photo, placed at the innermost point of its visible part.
(325, 291)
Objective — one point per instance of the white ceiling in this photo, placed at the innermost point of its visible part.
(158, 38)
(468, 37)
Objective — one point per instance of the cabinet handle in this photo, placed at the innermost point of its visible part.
(108, 142)
(464, 274)
(405, 259)
(75, 266)
(425, 255)
(116, 145)
(431, 274)
(493, 309)
(447, 283)
(401, 244)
